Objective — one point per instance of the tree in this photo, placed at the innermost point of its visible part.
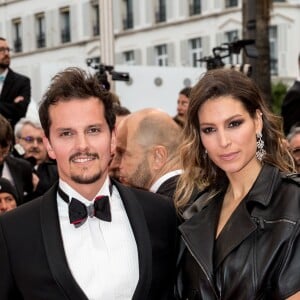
(256, 18)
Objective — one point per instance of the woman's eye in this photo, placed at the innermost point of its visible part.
(208, 130)
(235, 123)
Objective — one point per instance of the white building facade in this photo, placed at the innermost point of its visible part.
(158, 40)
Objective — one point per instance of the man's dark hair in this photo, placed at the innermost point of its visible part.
(2, 38)
(6, 133)
(186, 91)
(75, 83)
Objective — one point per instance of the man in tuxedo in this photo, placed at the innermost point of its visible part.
(146, 153)
(15, 90)
(290, 109)
(88, 237)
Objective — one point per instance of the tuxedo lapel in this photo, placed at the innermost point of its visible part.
(140, 230)
(54, 247)
(7, 85)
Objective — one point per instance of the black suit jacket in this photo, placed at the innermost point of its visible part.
(290, 109)
(14, 85)
(168, 187)
(32, 257)
(21, 172)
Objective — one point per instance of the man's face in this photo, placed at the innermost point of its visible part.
(80, 141)
(31, 140)
(7, 202)
(130, 163)
(4, 55)
(295, 148)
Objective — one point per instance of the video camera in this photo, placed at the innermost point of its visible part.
(104, 70)
(227, 50)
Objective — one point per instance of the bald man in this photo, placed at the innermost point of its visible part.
(146, 153)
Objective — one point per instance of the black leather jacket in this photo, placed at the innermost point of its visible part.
(257, 254)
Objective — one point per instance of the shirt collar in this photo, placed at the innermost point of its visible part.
(155, 186)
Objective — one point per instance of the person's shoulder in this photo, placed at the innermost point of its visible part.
(18, 76)
(21, 162)
(293, 178)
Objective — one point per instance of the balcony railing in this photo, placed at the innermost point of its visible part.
(160, 15)
(18, 45)
(65, 36)
(96, 30)
(41, 40)
(128, 21)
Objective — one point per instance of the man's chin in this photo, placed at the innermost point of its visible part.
(86, 179)
(4, 66)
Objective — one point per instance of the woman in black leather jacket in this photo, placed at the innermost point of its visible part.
(241, 238)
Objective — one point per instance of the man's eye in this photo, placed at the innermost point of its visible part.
(65, 133)
(94, 130)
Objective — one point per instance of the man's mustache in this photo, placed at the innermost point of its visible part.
(79, 154)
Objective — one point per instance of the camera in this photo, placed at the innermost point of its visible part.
(104, 70)
(227, 50)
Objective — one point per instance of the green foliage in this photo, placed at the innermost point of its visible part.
(279, 90)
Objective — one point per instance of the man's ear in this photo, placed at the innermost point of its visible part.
(49, 148)
(113, 142)
(160, 156)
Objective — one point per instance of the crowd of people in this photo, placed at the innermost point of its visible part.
(98, 202)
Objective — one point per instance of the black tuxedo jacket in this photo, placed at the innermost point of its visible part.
(32, 257)
(290, 109)
(21, 172)
(14, 85)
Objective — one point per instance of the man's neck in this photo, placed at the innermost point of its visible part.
(2, 70)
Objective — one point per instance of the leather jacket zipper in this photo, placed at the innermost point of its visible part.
(261, 222)
(200, 265)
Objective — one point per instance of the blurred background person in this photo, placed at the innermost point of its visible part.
(290, 109)
(293, 139)
(29, 136)
(8, 196)
(17, 170)
(182, 106)
(146, 152)
(15, 89)
(121, 112)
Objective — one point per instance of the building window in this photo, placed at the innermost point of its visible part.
(128, 14)
(161, 55)
(129, 57)
(196, 51)
(231, 3)
(279, 0)
(95, 19)
(65, 32)
(40, 26)
(17, 35)
(160, 13)
(195, 7)
(273, 50)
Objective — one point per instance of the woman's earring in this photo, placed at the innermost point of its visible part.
(260, 152)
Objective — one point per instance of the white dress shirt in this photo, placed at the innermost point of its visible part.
(102, 256)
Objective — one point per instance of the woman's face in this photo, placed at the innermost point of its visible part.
(228, 133)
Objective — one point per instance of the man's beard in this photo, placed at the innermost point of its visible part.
(4, 65)
(86, 180)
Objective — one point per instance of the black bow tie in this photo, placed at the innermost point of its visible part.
(78, 212)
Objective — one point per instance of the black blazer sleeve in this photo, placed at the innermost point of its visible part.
(15, 85)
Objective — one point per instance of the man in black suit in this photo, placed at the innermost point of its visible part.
(146, 154)
(16, 170)
(15, 90)
(88, 237)
(290, 109)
